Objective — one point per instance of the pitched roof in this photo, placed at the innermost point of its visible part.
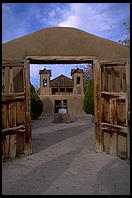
(61, 81)
(45, 71)
(78, 70)
(63, 41)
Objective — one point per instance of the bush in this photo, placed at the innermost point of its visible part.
(88, 102)
(36, 103)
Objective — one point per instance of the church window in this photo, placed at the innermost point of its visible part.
(45, 82)
(78, 80)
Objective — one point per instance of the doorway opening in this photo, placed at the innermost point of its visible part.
(62, 89)
(60, 104)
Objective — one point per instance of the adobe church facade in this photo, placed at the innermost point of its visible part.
(62, 92)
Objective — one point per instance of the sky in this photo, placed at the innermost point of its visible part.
(101, 19)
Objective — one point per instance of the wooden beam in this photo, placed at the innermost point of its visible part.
(113, 111)
(13, 96)
(60, 59)
(10, 85)
(97, 106)
(28, 136)
(128, 104)
(110, 62)
(12, 129)
(113, 127)
(105, 94)
(128, 82)
(114, 144)
(121, 78)
(105, 79)
(12, 63)
(3, 80)
(113, 78)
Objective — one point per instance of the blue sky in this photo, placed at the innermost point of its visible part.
(101, 19)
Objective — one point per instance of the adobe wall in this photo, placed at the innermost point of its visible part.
(44, 90)
(75, 87)
(74, 103)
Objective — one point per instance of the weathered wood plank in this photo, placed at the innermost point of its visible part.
(105, 79)
(121, 112)
(11, 88)
(102, 79)
(12, 146)
(4, 116)
(28, 136)
(128, 105)
(20, 112)
(113, 112)
(113, 79)
(122, 145)
(128, 135)
(109, 79)
(3, 81)
(113, 144)
(13, 128)
(109, 95)
(97, 105)
(5, 147)
(16, 96)
(12, 63)
(121, 78)
(105, 110)
(60, 59)
(12, 114)
(128, 83)
(20, 144)
(113, 127)
(106, 146)
(114, 62)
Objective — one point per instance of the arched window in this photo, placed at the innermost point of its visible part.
(45, 82)
(78, 80)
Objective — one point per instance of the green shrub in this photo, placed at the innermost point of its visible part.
(88, 102)
(36, 103)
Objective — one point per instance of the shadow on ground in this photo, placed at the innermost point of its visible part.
(40, 178)
(42, 141)
(111, 181)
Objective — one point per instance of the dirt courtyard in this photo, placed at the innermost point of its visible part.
(64, 162)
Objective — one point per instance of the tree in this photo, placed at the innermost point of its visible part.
(88, 102)
(36, 103)
(88, 74)
(126, 41)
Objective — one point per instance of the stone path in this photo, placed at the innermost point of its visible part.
(64, 163)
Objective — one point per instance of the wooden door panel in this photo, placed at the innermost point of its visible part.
(13, 108)
(114, 102)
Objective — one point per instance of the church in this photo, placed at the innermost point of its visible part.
(62, 92)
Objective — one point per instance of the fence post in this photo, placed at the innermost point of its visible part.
(97, 105)
(28, 135)
(128, 105)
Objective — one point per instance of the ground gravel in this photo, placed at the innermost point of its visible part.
(64, 162)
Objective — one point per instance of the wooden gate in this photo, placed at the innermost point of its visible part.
(16, 122)
(112, 106)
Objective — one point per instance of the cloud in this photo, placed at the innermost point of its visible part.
(14, 24)
(101, 19)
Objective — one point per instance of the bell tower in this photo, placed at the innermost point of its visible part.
(45, 81)
(77, 76)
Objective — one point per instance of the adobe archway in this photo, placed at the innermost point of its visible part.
(62, 45)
